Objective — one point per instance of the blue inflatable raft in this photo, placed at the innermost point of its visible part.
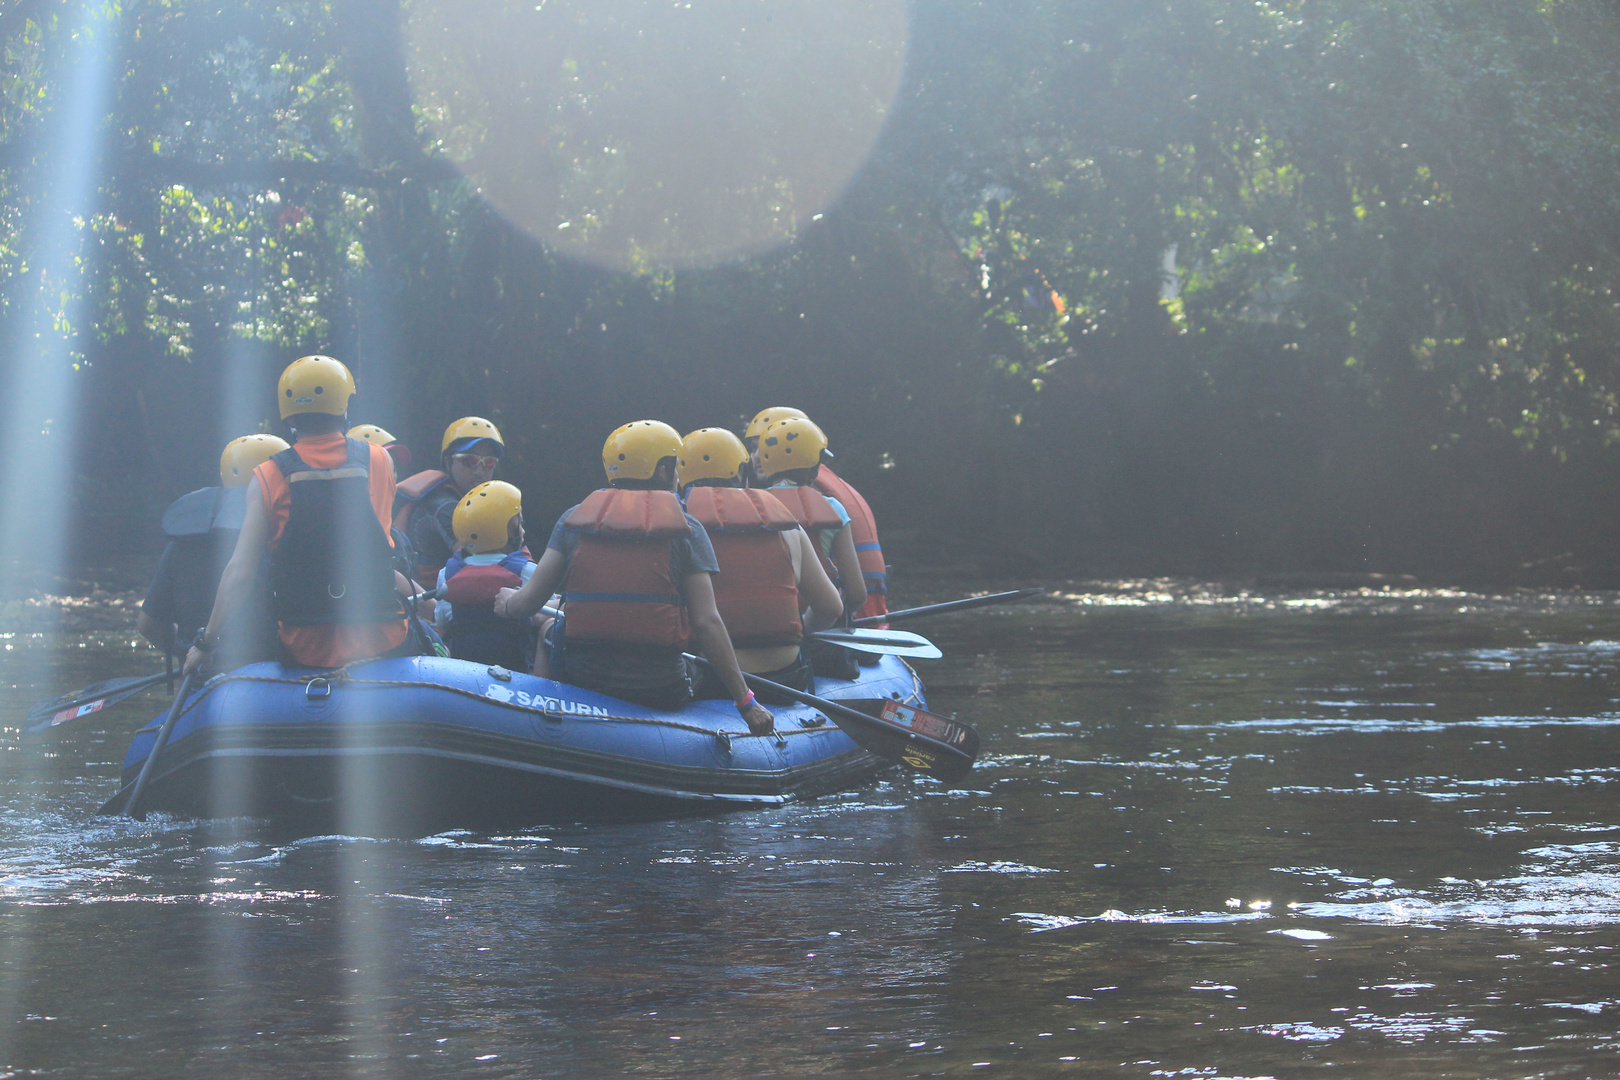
(424, 742)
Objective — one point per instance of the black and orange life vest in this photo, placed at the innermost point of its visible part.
(755, 590)
(333, 562)
(475, 632)
(619, 586)
(862, 530)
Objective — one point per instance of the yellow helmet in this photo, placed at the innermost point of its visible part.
(709, 453)
(794, 443)
(371, 433)
(766, 417)
(470, 427)
(633, 451)
(242, 456)
(481, 518)
(315, 384)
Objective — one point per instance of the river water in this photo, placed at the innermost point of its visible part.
(1211, 835)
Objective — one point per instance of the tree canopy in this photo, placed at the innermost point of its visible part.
(1122, 285)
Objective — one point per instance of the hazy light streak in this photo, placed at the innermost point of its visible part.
(638, 134)
(38, 439)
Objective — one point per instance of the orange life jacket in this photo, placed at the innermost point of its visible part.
(863, 530)
(619, 586)
(755, 590)
(811, 509)
(408, 495)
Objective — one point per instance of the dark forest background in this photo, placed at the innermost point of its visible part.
(1126, 287)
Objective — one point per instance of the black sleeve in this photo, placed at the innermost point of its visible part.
(427, 536)
(159, 602)
(444, 520)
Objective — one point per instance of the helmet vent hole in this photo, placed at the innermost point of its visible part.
(320, 389)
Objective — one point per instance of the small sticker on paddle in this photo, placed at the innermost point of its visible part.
(73, 714)
(924, 723)
(917, 759)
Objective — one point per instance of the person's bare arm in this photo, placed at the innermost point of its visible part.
(849, 569)
(817, 594)
(236, 583)
(522, 602)
(715, 642)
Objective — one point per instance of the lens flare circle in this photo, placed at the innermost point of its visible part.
(645, 133)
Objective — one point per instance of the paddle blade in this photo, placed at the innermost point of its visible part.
(882, 642)
(114, 806)
(83, 702)
(936, 745)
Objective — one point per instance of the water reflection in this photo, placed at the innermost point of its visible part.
(1242, 838)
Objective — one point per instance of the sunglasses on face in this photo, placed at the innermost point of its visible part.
(474, 461)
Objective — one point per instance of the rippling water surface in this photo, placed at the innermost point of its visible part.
(1210, 835)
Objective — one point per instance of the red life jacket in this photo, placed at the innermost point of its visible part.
(619, 586)
(475, 632)
(755, 589)
(863, 530)
(811, 509)
(476, 584)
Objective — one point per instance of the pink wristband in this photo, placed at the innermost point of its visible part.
(746, 703)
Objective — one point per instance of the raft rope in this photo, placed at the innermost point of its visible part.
(916, 684)
(343, 674)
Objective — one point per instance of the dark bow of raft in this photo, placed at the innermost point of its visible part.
(417, 742)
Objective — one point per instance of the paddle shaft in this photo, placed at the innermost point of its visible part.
(951, 605)
(132, 806)
(912, 645)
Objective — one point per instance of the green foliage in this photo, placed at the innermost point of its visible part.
(1252, 258)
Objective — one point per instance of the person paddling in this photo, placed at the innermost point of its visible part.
(636, 573)
(769, 569)
(425, 507)
(320, 511)
(862, 523)
(790, 453)
(202, 528)
(489, 557)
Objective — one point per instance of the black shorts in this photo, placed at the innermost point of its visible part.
(650, 675)
(798, 675)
